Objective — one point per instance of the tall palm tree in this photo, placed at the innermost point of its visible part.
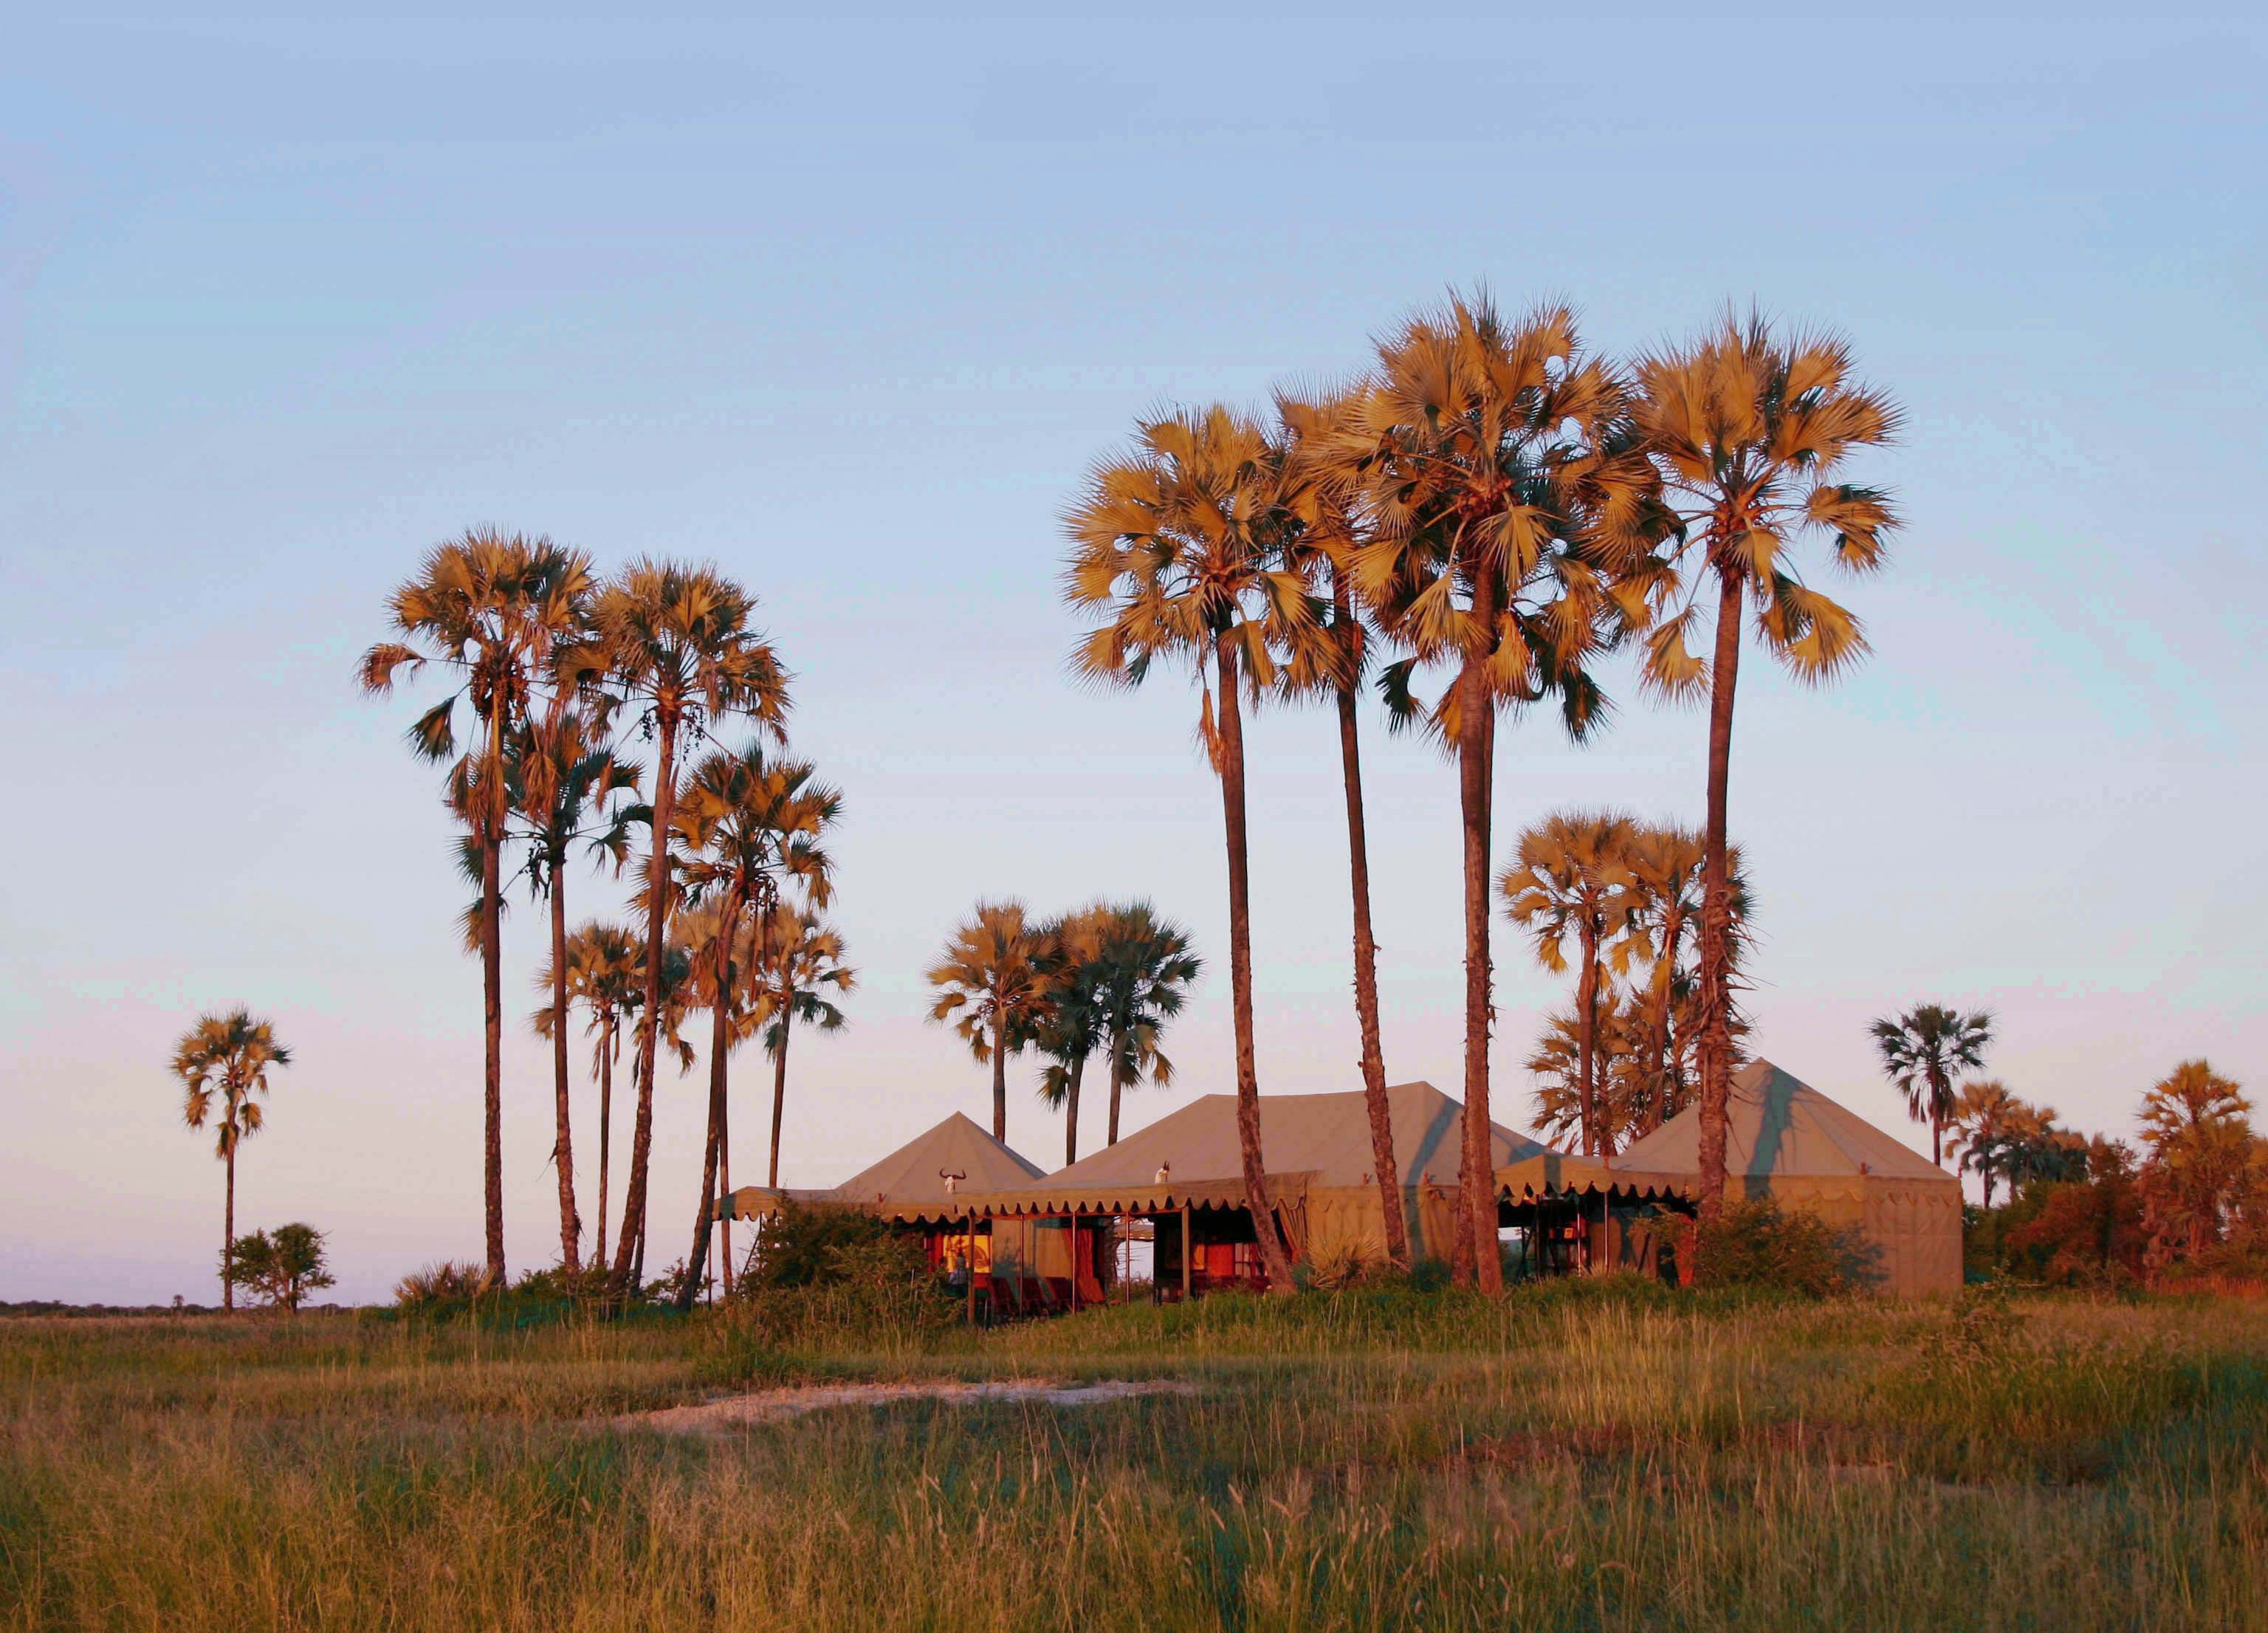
(2197, 1126)
(1173, 546)
(1508, 509)
(558, 776)
(1923, 1050)
(752, 828)
(1322, 533)
(225, 1060)
(1986, 1121)
(1667, 865)
(804, 966)
(675, 642)
(604, 969)
(1072, 1026)
(497, 609)
(1573, 877)
(991, 984)
(1750, 430)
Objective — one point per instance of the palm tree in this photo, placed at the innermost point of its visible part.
(1666, 866)
(1987, 1121)
(1624, 1102)
(558, 776)
(1323, 532)
(1507, 506)
(805, 965)
(605, 971)
(675, 642)
(991, 984)
(1145, 970)
(497, 609)
(1072, 1026)
(1749, 430)
(1573, 877)
(2197, 1126)
(1922, 1051)
(750, 826)
(224, 1060)
(1172, 545)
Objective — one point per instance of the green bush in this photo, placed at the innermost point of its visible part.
(1760, 1244)
(823, 1275)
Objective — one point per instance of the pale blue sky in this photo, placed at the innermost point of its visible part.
(847, 306)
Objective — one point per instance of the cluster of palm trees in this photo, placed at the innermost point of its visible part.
(1491, 502)
(1105, 979)
(1624, 897)
(560, 669)
(2198, 1181)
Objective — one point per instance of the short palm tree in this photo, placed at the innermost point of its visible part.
(1508, 515)
(1987, 1121)
(1072, 1026)
(1621, 1106)
(558, 776)
(1666, 865)
(752, 828)
(674, 643)
(1923, 1050)
(1143, 968)
(496, 609)
(1322, 532)
(992, 986)
(604, 965)
(1750, 430)
(801, 968)
(1173, 545)
(2196, 1127)
(1573, 880)
(224, 1061)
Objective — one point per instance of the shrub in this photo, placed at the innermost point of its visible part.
(1759, 1244)
(279, 1269)
(811, 1244)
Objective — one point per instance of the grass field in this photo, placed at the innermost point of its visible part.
(1595, 1457)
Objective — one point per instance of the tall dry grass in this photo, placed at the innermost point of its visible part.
(1389, 1460)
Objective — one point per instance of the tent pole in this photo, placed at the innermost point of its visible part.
(1185, 1253)
(970, 1264)
(1074, 1261)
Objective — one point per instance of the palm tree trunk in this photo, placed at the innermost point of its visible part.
(1117, 1084)
(606, 1128)
(779, 1095)
(1475, 1173)
(1365, 948)
(999, 1077)
(1274, 1260)
(1587, 1037)
(1716, 1053)
(492, 991)
(649, 1047)
(228, 1229)
(720, 1043)
(1673, 930)
(563, 1148)
(1070, 1111)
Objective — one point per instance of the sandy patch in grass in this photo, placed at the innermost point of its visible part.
(765, 1405)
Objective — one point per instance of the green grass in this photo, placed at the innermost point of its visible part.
(1581, 1458)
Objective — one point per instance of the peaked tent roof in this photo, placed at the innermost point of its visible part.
(1779, 1126)
(1325, 1137)
(913, 1172)
(912, 1176)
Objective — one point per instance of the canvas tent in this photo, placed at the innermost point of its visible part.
(909, 1183)
(1316, 1151)
(1785, 1140)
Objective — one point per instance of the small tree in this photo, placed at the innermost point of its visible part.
(279, 1268)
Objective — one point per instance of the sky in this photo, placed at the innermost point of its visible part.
(847, 307)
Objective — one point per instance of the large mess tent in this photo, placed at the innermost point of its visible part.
(1183, 1175)
(1786, 1141)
